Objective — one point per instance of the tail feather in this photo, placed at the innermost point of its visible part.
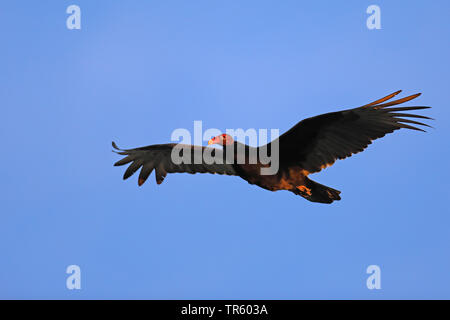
(316, 192)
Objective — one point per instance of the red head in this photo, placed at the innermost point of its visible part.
(223, 139)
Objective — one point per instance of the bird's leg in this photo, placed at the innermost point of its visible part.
(304, 190)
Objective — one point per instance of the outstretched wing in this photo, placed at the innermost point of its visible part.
(159, 157)
(316, 143)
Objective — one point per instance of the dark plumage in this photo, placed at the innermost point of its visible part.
(308, 147)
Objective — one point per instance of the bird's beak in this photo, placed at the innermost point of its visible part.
(211, 142)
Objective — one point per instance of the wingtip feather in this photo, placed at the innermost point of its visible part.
(388, 97)
(398, 101)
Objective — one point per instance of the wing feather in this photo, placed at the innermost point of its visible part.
(159, 159)
(317, 142)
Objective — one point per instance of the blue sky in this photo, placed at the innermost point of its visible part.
(138, 70)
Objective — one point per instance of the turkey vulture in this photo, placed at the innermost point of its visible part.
(310, 146)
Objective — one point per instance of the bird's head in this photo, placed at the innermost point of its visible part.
(222, 139)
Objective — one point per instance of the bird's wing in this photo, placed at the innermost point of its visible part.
(159, 157)
(317, 142)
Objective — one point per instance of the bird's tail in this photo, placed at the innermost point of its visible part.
(317, 192)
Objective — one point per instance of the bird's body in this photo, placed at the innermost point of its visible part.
(293, 178)
(310, 146)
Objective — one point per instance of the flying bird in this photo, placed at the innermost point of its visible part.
(310, 146)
